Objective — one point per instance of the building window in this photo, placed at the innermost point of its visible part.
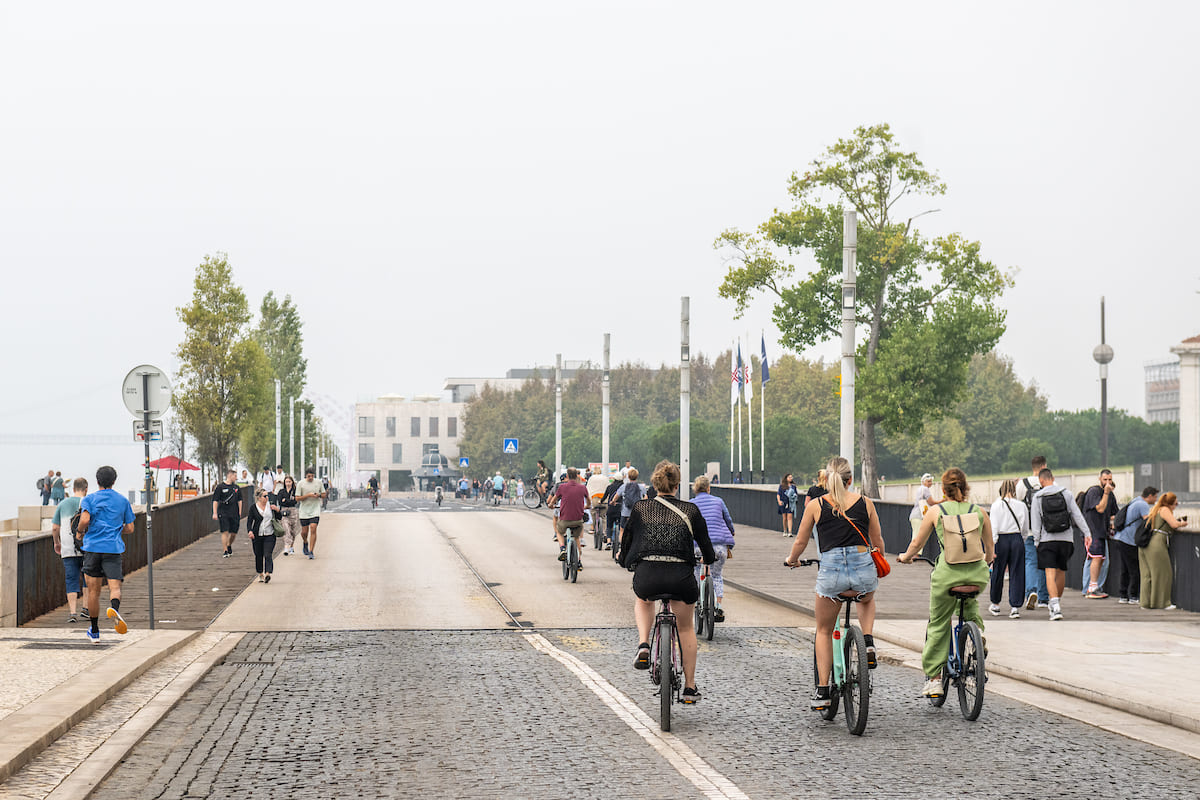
(366, 453)
(416, 427)
(366, 426)
(396, 457)
(433, 426)
(389, 425)
(452, 427)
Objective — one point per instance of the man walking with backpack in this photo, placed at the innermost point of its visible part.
(1035, 579)
(1054, 521)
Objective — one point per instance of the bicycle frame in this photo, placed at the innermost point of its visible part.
(665, 614)
(837, 678)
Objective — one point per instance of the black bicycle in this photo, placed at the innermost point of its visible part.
(666, 669)
(706, 606)
(965, 666)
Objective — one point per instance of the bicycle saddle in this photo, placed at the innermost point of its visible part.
(966, 592)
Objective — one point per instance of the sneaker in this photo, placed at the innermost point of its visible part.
(1055, 615)
(260, 580)
(93, 635)
(994, 610)
(119, 625)
(1096, 595)
(311, 555)
(579, 566)
(266, 579)
(719, 615)
(562, 554)
(71, 618)
(1042, 605)
(933, 688)
(871, 662)
(225, 554)
(1171, 607)
(690, 696)
(608, 545)
(287, 552)
(1135, 601)
(306, 548)
(1123, 600)
(820, 699)
(1031, 601)
(642, 660)
(1014, 614)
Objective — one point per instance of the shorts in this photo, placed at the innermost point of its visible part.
(1098, 547)
(1055, 554)
(306, 521)
(228, 523)
(73, 566)
(675, 581)
(497, 492)
(103, 565)
(846, 569)
(563, 525)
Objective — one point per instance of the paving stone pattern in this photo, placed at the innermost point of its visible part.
(391, 714)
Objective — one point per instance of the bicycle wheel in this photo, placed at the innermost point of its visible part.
(970, 683)
(666, 684)
(699, 614)
(573, 557)
(598, 539)
(831, 712)
(531, 499)
(858, 681)
(566, 563)
(710, 608)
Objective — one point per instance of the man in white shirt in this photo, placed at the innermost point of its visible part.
(266, 482)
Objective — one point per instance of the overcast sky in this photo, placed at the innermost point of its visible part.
(461, 188)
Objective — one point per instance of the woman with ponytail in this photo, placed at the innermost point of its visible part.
(847, 521)
(1155, 558)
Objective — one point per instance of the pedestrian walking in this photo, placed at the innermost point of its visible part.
(1035, 577)
(227, 511)
(1125, 549)
(1054, 520)
(1154, 559)
(64, 545)
(785, 498)
(309, 492)
(44, 485)
(497, 489)
(266, 481)
(289, 513)
(923, 502)
(262, 535)
(104, 517)
(970, 568)
(1010, 524)
(58, 488)
(631, 494)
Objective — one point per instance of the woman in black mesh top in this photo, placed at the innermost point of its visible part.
(659, 546)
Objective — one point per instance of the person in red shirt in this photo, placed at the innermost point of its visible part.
(571, 497)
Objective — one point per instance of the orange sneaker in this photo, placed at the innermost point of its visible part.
(119, 626)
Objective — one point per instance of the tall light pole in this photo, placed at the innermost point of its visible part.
(605, 411)
(849, 270)
(685, 398)
(278, 430)
(1103, 354)
(558, 465)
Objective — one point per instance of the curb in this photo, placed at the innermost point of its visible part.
(1117, 704)
(33, 728)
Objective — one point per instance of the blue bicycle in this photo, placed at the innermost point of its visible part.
(965, 665)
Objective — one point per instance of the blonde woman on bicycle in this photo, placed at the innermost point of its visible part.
(845, 519)
(946, 576)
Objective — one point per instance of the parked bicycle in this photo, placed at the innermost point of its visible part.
(666, 670)
(850, 680)
(965, 666)
(706, 606)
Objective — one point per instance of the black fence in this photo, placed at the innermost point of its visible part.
(41, 580)
(759, 508)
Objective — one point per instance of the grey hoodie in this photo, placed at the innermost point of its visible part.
(1077, 521)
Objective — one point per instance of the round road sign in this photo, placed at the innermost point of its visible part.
(159, 398)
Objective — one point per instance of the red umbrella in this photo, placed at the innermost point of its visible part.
(173, 463)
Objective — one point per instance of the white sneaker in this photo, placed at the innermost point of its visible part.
(1055, 615)
(1014, 614)
(1042, 605)
(994, 610)
(933, 688)
(1171, 607)
(1123, 600)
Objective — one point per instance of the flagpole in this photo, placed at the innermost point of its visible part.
(738, 401)
(762, 408)
(748, 374)
(732, 406)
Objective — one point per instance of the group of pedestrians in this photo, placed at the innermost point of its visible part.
(52, 487)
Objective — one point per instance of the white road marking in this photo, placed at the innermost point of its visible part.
(711, 783)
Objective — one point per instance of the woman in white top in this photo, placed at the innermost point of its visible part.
(1010, 526)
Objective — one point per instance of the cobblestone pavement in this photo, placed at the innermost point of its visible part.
(482, 714)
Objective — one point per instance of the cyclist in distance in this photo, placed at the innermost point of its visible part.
(542, 480)
(373, 485)
(846, 570)
(720, 533)
(658, 546)
(574, 499)
(946, 576)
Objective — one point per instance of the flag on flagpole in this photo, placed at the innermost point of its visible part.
(748, 376)
(735, 376)
(741, 375)
(766, 373)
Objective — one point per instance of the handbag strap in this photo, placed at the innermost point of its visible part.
(1013, 514)
(846, 517)
(677, 511)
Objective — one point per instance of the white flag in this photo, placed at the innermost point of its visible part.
(749, 383)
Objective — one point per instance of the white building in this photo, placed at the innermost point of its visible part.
(408, 444)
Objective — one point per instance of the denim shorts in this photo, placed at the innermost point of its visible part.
(845, 569)
(73, 566)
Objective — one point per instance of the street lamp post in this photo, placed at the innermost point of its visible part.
(1103, 354)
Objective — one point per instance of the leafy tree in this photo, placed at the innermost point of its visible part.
(280, 332)
(942, 444)
(222, 370)
(927, 304)
(1023, 451)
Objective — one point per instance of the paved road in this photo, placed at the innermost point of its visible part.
(465, 705)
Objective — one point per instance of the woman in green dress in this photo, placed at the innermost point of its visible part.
(1155, 558)
(947, 576)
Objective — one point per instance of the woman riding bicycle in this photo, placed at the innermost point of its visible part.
(946, 576)
(846, 520)
(658, 547)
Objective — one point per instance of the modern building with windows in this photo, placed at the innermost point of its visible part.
(1162, 391)
(408, 444)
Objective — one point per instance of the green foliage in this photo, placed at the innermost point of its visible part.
(1023, 451)
(280, 331)
(927, 304)
(942, 444)
(998, 407)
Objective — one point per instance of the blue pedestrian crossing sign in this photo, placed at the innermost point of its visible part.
(464, 462)
(510, 447)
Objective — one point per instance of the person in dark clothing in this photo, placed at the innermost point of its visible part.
(227, 510)
(262, 535)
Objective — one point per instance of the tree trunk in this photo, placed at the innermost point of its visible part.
(870, 470)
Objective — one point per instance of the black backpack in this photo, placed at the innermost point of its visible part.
(1144, 533)
(1056, 516)
(75, 534)
(1122, 516)
(1030, 491)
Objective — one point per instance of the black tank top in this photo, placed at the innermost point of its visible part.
(834, 531)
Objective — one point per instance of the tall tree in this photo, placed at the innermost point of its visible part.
(280, 332)
(927, 305)
(222, 370)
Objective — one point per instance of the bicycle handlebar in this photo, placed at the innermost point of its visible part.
(804, 562)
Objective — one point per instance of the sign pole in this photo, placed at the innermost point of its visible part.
(685, 399)
(149, 526)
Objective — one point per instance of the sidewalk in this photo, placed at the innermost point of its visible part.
(1118, 656)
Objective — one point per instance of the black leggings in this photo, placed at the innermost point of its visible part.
(1129, 583)
(264, 548)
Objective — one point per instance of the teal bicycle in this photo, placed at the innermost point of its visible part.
(850, 680)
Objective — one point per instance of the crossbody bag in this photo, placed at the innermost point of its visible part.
(882, 567)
